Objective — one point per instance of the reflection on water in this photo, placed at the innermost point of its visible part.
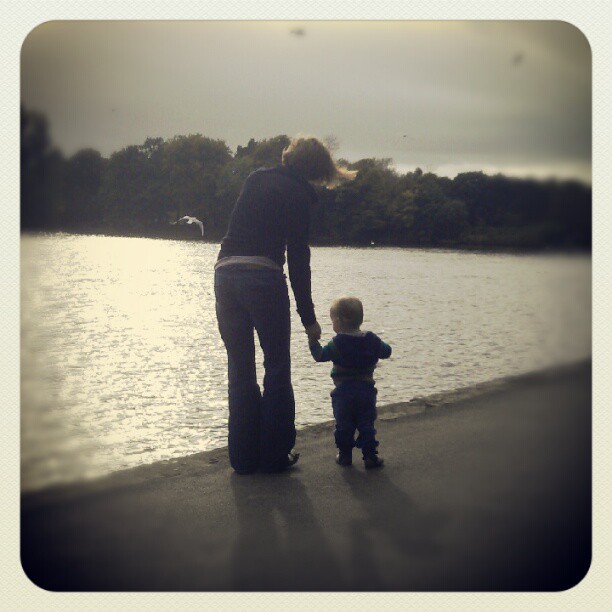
(122, 364)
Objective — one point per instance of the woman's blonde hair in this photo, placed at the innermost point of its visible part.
(312, 159)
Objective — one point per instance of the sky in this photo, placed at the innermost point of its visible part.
(446, 96)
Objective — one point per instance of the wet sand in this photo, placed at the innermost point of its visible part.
(486, 488)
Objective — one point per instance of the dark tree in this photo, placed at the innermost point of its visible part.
(141, 189)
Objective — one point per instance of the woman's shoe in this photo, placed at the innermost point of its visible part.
(292, 459)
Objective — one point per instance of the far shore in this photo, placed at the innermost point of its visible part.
(463, 247)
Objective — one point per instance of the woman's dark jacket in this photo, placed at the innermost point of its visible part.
(273, 213)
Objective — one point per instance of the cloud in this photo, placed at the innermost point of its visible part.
(503, 93)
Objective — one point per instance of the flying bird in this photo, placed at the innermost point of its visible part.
(189, 220)
(298, 31)
(517, 59)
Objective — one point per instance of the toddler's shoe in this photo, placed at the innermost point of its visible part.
(372, 460)
(344, 458)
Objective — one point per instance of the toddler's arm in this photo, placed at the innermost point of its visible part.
(385, 350)
(321, 353)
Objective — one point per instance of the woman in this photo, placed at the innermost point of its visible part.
(271, 216)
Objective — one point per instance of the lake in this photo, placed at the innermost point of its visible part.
(122, 363)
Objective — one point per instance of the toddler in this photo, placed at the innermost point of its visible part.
(354, 354)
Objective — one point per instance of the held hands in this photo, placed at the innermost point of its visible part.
(313, 332)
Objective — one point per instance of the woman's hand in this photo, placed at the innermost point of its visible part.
(313, 331)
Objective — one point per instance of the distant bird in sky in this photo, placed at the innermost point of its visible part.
(517, 58)
(189, 220)
(298, 31)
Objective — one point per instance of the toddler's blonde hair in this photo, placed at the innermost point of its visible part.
(349, 309)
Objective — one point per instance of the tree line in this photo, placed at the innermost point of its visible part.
(141, 189)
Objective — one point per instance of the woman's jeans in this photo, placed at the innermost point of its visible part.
(261, 426)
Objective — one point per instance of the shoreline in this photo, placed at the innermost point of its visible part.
(195, 464)
(461, 247)
(484, 488)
